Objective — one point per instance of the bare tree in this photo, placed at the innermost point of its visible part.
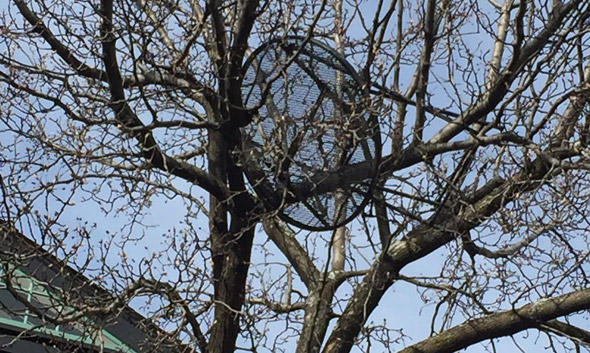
(480, 203)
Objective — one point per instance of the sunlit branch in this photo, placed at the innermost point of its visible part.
(503, 323)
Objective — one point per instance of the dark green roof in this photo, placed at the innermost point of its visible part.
(33, 300)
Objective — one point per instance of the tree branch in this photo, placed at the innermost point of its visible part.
(279, 308)
(424, 69)
(422, 240)
(329, 181)
(285, 240)
(502, 84)
(572, 332)
(504, 323)
(130, 121)
(57, 46)
(473, 249)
